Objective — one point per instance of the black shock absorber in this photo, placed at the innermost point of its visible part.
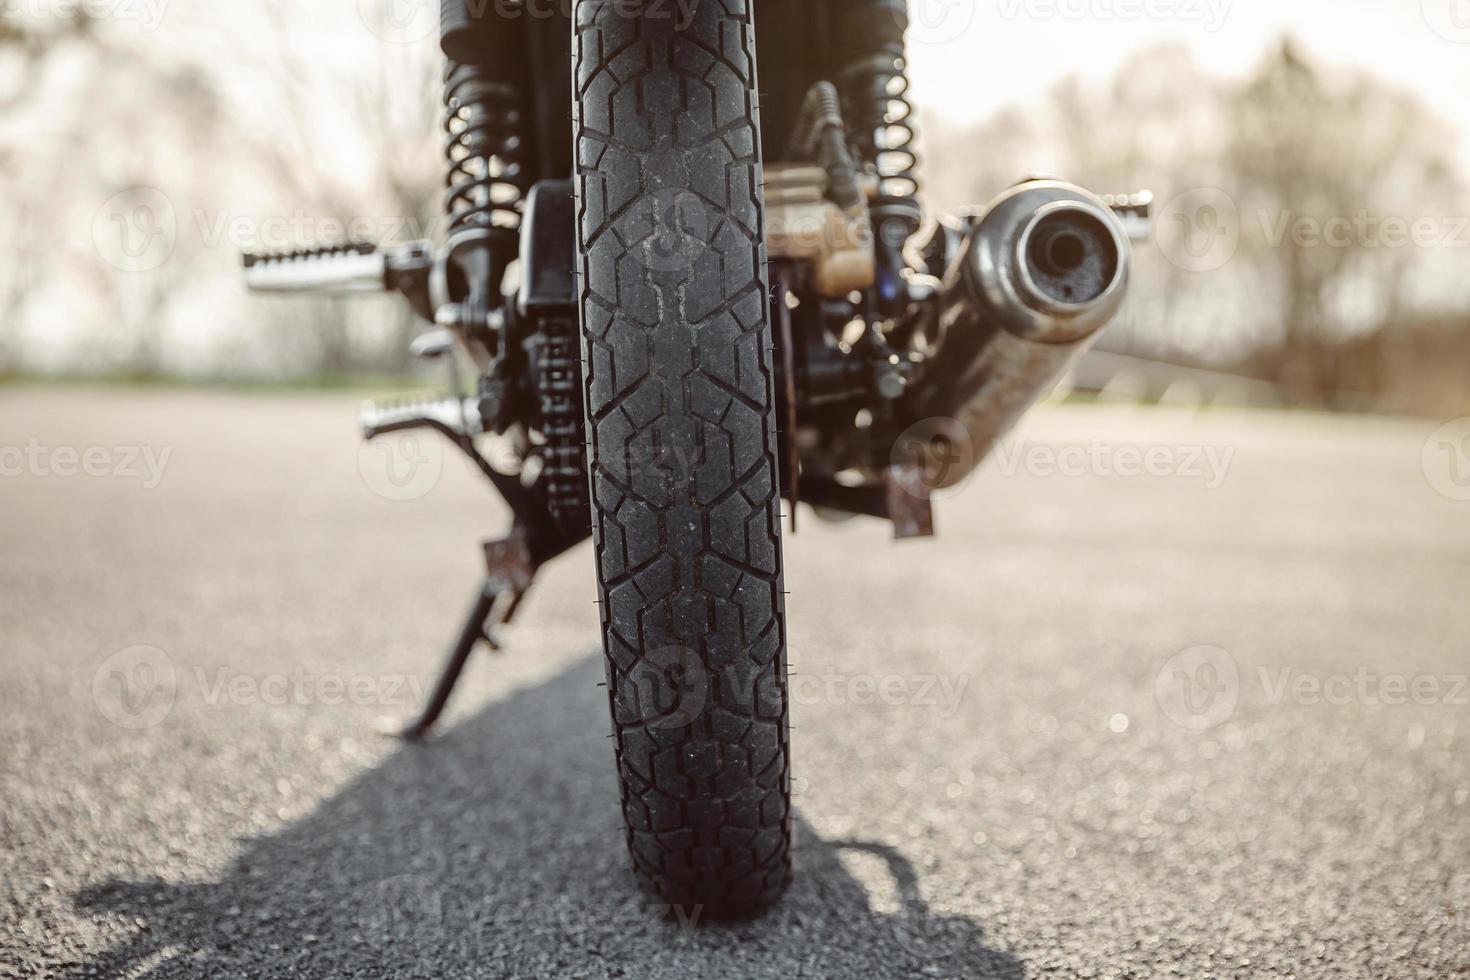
(874, 83)
(486, 136)
(484, 123)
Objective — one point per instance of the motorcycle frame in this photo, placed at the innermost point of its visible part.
(851, 373)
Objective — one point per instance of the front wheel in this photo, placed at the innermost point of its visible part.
(681, 422)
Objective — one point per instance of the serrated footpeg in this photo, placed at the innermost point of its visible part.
(460, 416)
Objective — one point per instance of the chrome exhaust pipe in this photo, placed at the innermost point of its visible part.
(1042, 272)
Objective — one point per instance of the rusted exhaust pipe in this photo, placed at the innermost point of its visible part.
(1042, 273)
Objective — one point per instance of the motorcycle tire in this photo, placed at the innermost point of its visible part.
(680, 397)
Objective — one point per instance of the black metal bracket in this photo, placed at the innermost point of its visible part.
(509, 571)
(902, 497)
(510, 567)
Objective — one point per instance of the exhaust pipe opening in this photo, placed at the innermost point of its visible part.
(1062, 252)
(1068, 256)
(1043, 272)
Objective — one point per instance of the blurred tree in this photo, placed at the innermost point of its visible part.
(231, 133)
(1345, 187)
(97, 118)
(24, 50)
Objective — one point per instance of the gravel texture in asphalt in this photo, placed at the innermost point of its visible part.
(1206, 720)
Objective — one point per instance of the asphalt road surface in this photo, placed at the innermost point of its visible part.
(1205, 720)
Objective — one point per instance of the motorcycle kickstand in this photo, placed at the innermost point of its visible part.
(510, 571)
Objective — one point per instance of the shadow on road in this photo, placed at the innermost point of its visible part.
(497, 851)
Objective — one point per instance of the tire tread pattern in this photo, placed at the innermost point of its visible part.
(680, 401)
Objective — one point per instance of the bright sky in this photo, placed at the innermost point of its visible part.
(971, 57)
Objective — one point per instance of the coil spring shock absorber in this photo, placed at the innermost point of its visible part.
(874, 84)
(485, 146)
